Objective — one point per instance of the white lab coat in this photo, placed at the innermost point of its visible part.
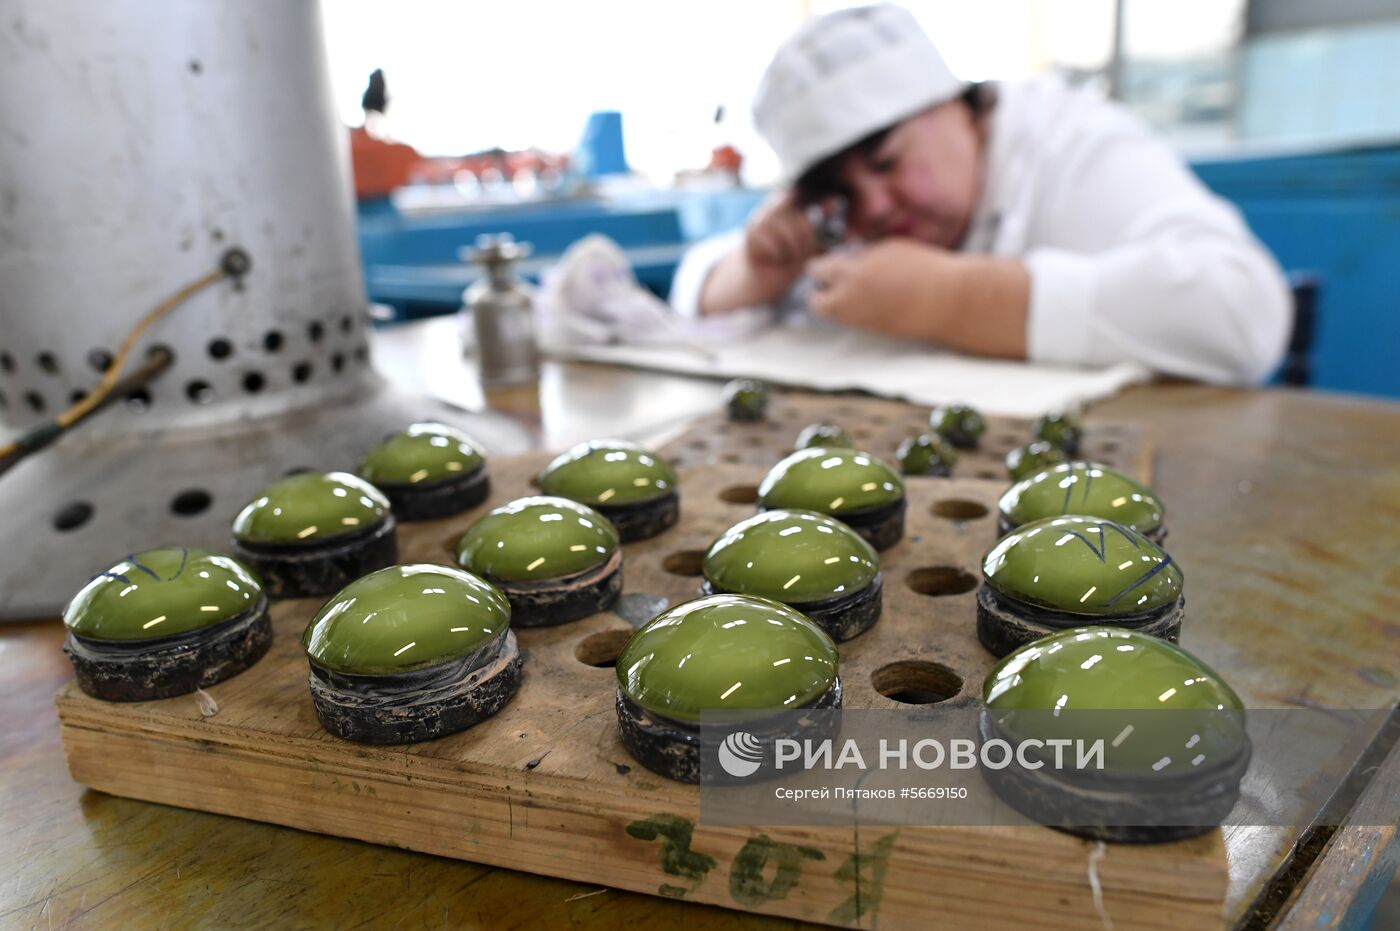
(1131, 259)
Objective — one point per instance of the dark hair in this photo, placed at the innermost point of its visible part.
(823, 179)
(376, 96)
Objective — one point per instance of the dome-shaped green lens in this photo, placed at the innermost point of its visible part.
(403, 618)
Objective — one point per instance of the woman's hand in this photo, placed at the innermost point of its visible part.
(898, 287)
(779, 238)
(910, 290)
(778, 241)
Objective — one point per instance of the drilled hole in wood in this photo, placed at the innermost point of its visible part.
(958, 509)
(1109, 446)
(685, 562)
(937, 581)
(730, 458)
(989, 474)
(190, 502)
(740, 494)
(602, 649)
(756, 441)
(534, 481)
(916, 682)
(47, 362)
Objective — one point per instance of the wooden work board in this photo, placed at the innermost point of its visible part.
(878, 426)
(547, 787)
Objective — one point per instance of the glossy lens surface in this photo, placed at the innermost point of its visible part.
(310, 507)
(160, 593)
(1083, 488)
(957, 419)
(425, 452)
(832, 481)
(1157, 707)
(405, 617)
(791, 556)
(1025, 461)
(746, 399)
(537, 538)
(926, 454)
(608, 473)
(1059, 429)
(1083, 565)
(822, 434)
(727, 652)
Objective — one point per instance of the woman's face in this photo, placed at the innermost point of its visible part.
(921, 182)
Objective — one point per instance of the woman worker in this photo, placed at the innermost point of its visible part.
(1021, 220)
(379, 164)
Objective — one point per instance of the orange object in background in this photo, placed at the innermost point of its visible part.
(726, 158)
(380, 166)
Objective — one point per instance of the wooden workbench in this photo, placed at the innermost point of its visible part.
(1283, 507)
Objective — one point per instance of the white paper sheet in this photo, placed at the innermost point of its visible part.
(591, 307)
(832, 358)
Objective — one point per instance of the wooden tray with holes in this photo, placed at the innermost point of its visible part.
(878, 426)
(546, 786)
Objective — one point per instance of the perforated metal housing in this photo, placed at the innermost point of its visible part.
(141, 140)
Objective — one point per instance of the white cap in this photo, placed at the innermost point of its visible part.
(843, 76)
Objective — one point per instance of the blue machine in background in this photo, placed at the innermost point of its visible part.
(412, 262)
(1333, 215)
(600, 151)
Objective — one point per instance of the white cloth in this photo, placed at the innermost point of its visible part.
(841, 77)
(591, 297)
(1131, 259)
